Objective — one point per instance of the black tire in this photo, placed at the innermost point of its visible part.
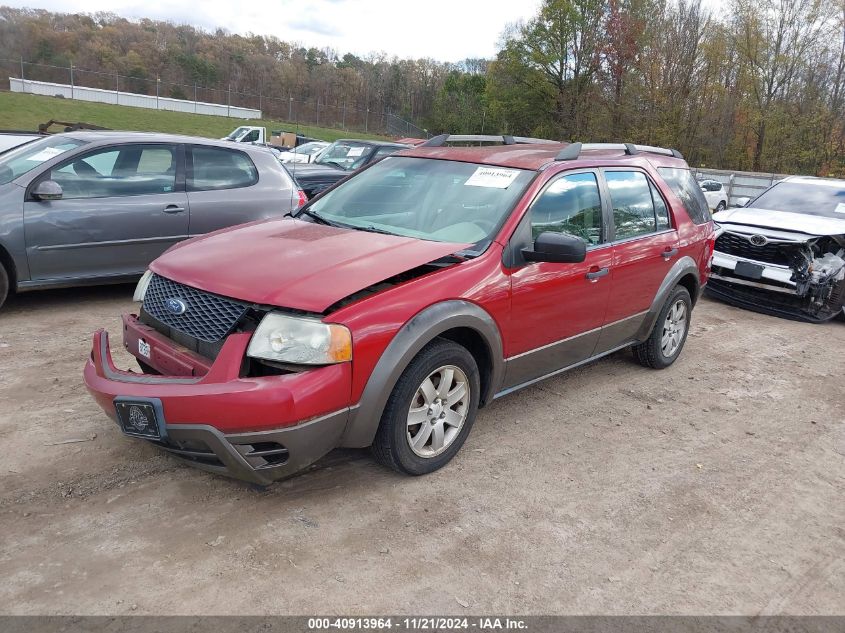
(4, 285)
(391, 446)
(650, 353)
(721, 207)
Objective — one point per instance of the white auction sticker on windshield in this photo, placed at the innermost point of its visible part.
(355, 151)
(492, 177)
(840, 208)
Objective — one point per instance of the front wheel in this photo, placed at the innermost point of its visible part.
(667, 338)
(721, 206)
(430, 410)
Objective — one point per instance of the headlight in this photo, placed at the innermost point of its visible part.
(300, 341)
(141, 288)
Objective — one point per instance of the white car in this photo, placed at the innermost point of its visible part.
(304, 153)
(715, 193)
(784, 252)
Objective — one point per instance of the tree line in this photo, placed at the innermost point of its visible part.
(761, 86)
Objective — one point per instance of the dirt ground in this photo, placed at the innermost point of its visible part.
(717, 486)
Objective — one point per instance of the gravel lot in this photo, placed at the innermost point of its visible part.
(716, 486)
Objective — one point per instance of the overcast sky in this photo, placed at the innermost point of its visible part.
(446, 30)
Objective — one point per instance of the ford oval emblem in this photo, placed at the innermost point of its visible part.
(175, 305)
(758, 240)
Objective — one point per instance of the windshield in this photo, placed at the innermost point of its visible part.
(347, 155)
(237, 132)
(23, 159)
(822, 198)
(308, 148)
(430, 199)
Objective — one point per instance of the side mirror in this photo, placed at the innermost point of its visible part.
(557, 248)
(741, 202)
(47, 190)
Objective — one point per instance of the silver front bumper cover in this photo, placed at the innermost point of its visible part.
(771, 272)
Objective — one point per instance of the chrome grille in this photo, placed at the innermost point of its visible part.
(772, 253)
(207, 317)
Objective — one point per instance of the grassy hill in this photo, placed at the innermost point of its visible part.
(25, 112)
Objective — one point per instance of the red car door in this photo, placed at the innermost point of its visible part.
(557, 310)
(645, 245)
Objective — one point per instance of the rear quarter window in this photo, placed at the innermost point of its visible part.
(684, 185)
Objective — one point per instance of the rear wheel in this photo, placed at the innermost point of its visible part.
(430, 411)
(667, 339)
(721, 207)
(4, 285)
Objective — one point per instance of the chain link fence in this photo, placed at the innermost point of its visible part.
(279, 105)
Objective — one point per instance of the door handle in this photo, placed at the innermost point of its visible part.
(594, 275)
(173, 208)
(669, 253)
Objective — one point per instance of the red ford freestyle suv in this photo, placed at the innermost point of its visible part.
(394, 305)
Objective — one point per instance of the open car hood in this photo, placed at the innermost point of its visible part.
(781, 220)
(294, 264)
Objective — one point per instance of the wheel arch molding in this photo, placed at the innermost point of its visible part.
(453, 319)
(684, 272)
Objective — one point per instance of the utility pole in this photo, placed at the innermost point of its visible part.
(290, 107)
(367, 121)
(71, 80)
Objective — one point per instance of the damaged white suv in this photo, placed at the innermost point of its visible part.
(784, 252)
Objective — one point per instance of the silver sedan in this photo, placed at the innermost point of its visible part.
(98, 207)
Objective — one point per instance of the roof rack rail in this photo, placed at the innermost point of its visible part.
(442, 139)
(573, 150)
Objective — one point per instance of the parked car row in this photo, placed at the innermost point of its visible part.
(386, 292)
(97, 207)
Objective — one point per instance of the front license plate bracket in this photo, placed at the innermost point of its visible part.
(141, 418)
(749, 270)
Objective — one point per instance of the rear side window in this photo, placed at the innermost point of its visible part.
(218, 168)
(634, 208)
(683, 184)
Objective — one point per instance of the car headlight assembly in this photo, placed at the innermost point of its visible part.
(300, 341)
(141, 288)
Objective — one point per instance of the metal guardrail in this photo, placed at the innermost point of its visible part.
(278, 103)
(118, 97)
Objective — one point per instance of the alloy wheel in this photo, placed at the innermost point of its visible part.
(674, 328)
(438, 411)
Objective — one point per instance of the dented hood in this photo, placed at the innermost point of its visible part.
(294, 264)
(781, 220)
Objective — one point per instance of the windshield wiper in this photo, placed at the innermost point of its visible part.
(321, 219)
(371, 229)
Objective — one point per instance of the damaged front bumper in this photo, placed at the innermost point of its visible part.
(258, 429)
(810, 289)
